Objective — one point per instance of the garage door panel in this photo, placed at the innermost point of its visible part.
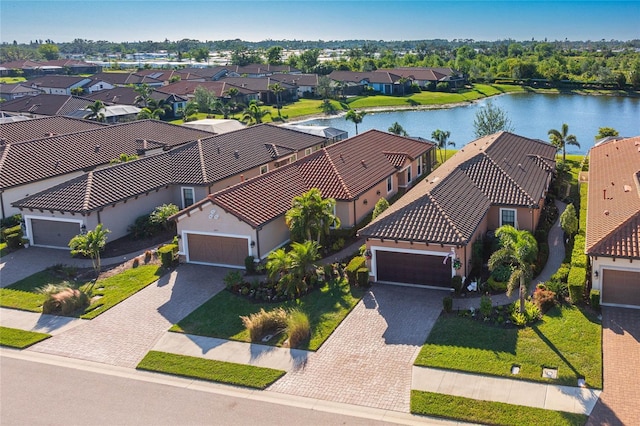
(620, 287)
(412, 268)
(53, 233)
(217, 250)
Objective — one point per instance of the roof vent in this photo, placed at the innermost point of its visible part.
(606, 212)
(627, 188)
(236, 153)
(97, 148)
(363, 163)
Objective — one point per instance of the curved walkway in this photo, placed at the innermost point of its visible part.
(555, 259)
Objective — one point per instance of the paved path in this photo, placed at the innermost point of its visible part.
(367, 360)
(124, 334)
(510, 391)
(619, 404)
(556, 257)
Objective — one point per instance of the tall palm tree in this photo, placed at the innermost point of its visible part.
(518, 249)
(355, 116)
(96, 111)
(144, 92)
(311, 216)
(560, 139)
(397, 129)
(277, 89)
(190, 109)
(277, 265)
(253, 114)
(90, 245)
(442, 137)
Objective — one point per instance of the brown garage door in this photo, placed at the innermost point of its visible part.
(620, 287)
(53, 233)
(217, 250)
(413, 268)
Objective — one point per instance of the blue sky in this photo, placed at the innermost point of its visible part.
(254, 20)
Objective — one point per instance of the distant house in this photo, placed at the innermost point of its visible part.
(248, 218)
(128, 95)
(28, 68)
(170, 76)
(169, 172)
(186, 89)
(9, 92)
(112, 113)
(126, 79)
(497, 180)
(260, 85)
(353, 83)
(424, 76)
(208, 73)
(44, 105)
(58, 84)
(331, 133)
(613, 221)
(306, 84)
(259, 70)
(42, 128)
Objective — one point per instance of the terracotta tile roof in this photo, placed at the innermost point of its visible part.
(449, 204)
(200, 162)
(46, 104)
(208, 72)
(256, 84)
(370, 76)
(39, 128)
(342, 171)
(121, 78)
(166, 75)
(17, 88)
(613, 211)
(127, 96)
(186, 88)
(261, 69)
(310, 80)
(39, 159)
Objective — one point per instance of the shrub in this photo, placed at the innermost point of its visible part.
(13, 237)
(594, 298)
(160, 216)
(442, 86)
(532, 312)
(381, 206)
(135, 263)
(338, 244)
(562, 273)
(560, 289)
(456, 283)
(262, 323)
(232, 279)
(168, 255)
(352, 269)
(544, 299)
(501, 273)
(62, 299)
(485, 306)
(496, 286)
(447, 304)
(477, 256)
(250, 264)
(569, 220)
(362, 275)
(298, 328)
(575, 293)
(518, 319)
(147, 256)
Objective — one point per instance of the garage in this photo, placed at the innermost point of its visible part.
(620, 287)
(412, 268)
(53, 233)
(217, 250)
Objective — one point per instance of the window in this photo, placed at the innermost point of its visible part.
(409, 174)
(188, 197)
(419, 166)
(264, 169)
(508, 217)
(389, 184)
(308, 151)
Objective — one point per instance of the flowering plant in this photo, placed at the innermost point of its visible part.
(456, 264)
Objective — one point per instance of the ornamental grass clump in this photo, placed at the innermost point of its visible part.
(63, 299)
(263, 323)
(298, 328)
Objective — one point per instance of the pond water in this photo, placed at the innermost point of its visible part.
(532, 115)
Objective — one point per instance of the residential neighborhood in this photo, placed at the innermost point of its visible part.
(339, 232)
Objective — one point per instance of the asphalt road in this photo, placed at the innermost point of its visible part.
(35, 393)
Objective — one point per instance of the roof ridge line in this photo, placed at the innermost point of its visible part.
(87, 193)
(337, 173)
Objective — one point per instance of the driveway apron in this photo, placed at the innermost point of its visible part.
(124, 334)
(368, 359)
(618, 404)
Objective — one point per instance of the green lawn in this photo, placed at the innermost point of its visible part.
(488, 412)
(20, 339)
(567, 338)
(12, 80)
(111, 291)
(206, 369)
(220, 315)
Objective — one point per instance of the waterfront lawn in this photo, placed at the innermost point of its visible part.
(567, 338)
(20, 339)
(488, 412)
(208, 369)
(220, 316)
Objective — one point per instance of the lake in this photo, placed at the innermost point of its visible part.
(532, 115)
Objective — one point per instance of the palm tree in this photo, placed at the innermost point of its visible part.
(355, 116)
(518, 249)
(144, 92)
(190, 109)
(397, 129)
(311, 216)
(90, 245)
(301, 263)
(277, 265)
(277, 89)
(154, 110)
(442, 137)
(403, 82)
(253, 114)
(96, 111)
(560, 139)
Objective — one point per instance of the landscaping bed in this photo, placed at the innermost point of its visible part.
(567, 338)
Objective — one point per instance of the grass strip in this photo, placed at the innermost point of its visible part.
(20, 339)
(220, 316)
(207, 369)
(488, 412)
(567, 338)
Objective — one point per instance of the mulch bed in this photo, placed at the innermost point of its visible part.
(126, 245)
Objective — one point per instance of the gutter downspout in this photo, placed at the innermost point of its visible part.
(258, 243)
(2, 204)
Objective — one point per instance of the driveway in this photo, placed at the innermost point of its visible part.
(125, 333)
(619, 400)
(368, 359)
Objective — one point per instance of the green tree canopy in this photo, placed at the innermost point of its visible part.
(561, 138)
(90, 245)
(569, 220)
(49, 51)
(604, 132)
(491, 119)
(381, 206)
(355, 116)
(311, 216)
(397, 129)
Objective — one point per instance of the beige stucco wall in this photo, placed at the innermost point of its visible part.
(272, 236)
(526, 218)
(19, 192)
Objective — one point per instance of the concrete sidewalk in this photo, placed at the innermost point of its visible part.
(517, 392)
(41, 323)
(231, 351)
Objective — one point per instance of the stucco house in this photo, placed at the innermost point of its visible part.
(58, 84)
(180, 174)
(9, 92)
(45, 105)
(613, 221)
(495, 180)
(127, 96)
(248, 218)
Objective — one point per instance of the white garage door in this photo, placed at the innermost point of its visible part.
(620, 287)
(53, 233)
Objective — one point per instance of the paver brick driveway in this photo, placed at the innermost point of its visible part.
(125, 333)
(368, 359)
(619, 402)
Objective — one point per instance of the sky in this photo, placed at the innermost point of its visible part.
(256, 20)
